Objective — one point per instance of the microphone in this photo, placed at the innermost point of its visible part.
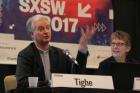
(70, 56)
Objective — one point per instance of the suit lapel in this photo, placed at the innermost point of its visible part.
(54, 59)
(40, 68)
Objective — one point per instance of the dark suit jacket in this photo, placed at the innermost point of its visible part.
(29, 63)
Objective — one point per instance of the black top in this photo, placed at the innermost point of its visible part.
(123, 73)
(105, 65)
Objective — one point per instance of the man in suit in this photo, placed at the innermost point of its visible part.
(40, 59)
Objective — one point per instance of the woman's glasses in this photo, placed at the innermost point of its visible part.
(118, 44)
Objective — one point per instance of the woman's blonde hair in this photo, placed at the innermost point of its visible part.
(121, 35)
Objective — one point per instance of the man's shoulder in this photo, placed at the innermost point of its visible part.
(28, 49)
(53, 48)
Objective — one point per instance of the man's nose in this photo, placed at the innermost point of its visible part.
(46, 30)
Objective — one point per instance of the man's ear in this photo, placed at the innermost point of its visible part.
(32, 35)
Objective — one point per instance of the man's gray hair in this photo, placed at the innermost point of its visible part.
(29, 24)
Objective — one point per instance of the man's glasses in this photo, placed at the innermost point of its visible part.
(118, 44)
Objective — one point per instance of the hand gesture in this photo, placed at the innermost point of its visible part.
(86, 35)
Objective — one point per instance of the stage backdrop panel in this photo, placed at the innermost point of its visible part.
(67, 18)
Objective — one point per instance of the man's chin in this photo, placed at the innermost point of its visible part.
(46, 41)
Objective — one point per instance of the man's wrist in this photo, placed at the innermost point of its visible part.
(83, 50)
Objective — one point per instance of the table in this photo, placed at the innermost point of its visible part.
(70, 90)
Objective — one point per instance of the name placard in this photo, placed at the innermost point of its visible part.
(136, 85)
(81, 81)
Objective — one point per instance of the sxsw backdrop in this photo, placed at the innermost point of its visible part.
(67, 18)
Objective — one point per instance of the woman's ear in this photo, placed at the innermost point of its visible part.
(128, 48)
